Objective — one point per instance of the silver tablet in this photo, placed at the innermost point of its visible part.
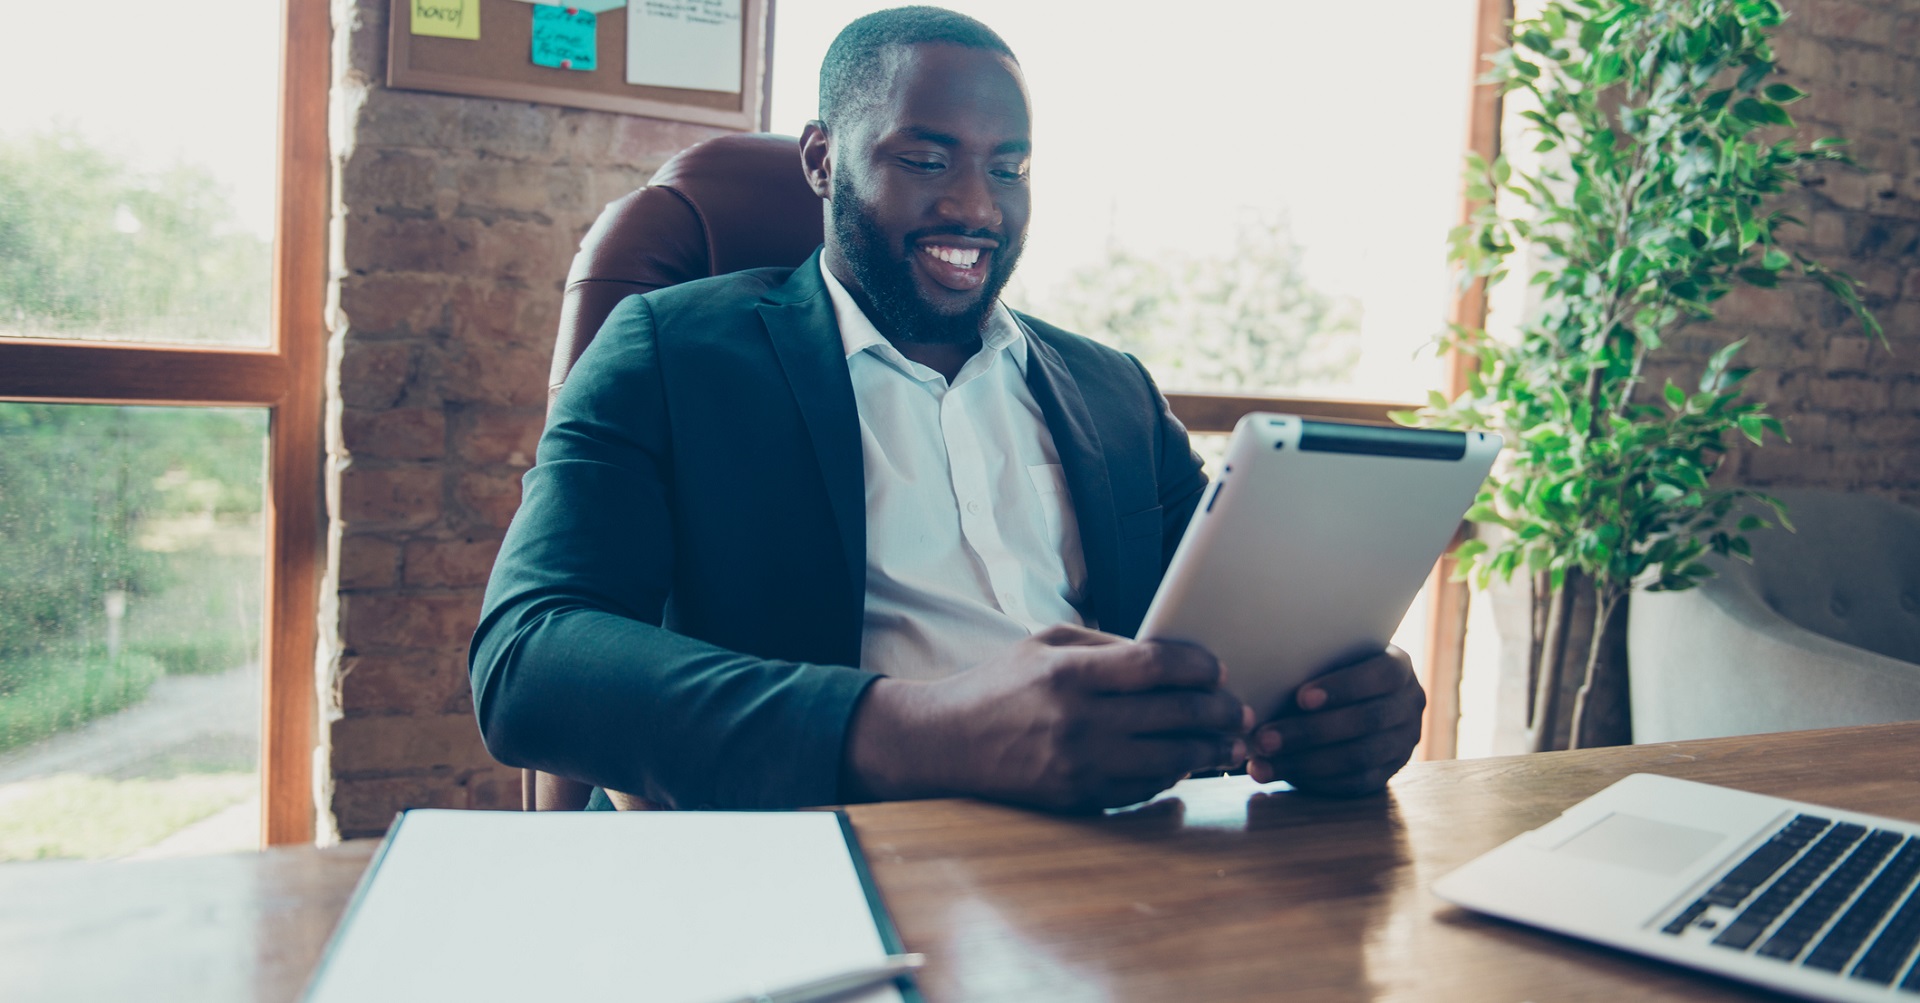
(1306, 552)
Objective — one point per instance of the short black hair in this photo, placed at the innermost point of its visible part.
(855, 63)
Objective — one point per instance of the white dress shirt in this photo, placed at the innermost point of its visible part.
(971, 538)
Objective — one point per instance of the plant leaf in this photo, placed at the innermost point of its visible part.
(1761, 112)
(1755, 72)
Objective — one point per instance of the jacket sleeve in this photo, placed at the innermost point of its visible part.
(572, 671)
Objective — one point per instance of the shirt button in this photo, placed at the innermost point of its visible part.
(973, 507)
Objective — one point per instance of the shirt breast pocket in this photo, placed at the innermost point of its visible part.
(1061, 529)
(1050, 486)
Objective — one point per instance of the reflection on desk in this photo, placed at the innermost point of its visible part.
(1217, 890)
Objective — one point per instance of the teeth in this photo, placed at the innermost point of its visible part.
(963, 257)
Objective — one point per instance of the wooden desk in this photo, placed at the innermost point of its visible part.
(1217, 891)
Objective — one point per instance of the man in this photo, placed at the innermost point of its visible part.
(857, 531)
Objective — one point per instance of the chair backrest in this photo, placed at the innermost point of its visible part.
(727, 204)
(1851, 572)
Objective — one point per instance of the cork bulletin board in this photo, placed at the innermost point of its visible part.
(498, 64)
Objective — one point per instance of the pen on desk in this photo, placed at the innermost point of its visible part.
(894, 966)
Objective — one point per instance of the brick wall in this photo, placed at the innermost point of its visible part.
(1851, 406)
(454, 223)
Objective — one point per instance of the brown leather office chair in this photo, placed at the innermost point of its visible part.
(724, 205)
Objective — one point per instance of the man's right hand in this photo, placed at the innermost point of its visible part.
(1069, 719)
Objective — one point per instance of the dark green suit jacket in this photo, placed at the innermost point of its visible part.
(676, 611)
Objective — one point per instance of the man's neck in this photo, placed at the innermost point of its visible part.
(945, 359)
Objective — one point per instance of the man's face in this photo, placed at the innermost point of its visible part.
(927, 196)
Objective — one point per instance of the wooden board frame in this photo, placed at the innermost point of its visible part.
(497, 66)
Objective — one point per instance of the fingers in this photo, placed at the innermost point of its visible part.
(1138, 666)
(1363, 680)
(1170, 758)
(1345, 723)
(1074, 718)
(1361, 766)
(1063, 635)
(1348, 732)
(1175, 711)
(1134, 772)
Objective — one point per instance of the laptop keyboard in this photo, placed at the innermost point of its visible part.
(1809, 872)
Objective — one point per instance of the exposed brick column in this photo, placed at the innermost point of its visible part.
(454, 222)
(1852, 408)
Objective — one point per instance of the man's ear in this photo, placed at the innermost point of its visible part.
(816, 158)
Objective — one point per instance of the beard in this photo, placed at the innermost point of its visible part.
(885, 274)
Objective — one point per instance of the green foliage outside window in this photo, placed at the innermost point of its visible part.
(83, 492)
(98, 500)
(1244, 322)
(90, 248)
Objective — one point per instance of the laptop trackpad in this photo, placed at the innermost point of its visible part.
(1643, 843)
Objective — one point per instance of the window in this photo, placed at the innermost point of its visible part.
(131, 550)
(1253, 197)
(161, 295)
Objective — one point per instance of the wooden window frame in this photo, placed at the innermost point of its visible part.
(1446, 636)
(286, 378)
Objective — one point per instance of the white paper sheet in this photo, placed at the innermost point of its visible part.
(690, 44)
(674, 907)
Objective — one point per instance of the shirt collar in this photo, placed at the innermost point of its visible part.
(857, 333)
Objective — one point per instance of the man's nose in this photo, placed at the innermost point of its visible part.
(969, 201)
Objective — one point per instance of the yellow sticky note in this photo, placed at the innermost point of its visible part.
(446, 18)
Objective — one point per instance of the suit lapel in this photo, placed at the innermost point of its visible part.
(800, 321)
(1077, 440)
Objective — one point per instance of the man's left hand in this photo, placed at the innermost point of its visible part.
(1344, 733)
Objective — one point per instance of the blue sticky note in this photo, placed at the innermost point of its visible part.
(564, 37)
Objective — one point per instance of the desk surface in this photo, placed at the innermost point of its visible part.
(1216, 891)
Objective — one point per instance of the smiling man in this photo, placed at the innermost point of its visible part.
(856, 530)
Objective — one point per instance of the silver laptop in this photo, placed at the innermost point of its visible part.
(1811, 901)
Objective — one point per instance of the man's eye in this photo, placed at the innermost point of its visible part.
(922, 165)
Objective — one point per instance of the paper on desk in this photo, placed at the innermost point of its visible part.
(690, 44)
(674, 907)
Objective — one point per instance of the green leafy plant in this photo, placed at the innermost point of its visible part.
(1653, 122)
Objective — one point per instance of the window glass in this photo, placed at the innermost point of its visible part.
(1252, 196)
(131, 543)
(137, 190)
